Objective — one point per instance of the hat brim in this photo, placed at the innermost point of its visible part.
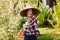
(23, 13)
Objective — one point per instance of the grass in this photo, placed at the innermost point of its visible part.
(46, 37)
(47, 34)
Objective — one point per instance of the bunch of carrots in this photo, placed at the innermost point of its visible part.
(20, 34)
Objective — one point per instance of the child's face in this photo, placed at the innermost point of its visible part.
(29, 12)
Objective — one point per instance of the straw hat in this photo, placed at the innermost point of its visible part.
(23, 12)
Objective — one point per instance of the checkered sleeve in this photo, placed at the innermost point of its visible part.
(35, 22)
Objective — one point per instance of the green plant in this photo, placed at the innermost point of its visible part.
(45, 14)
(21, 22)
(57, 14)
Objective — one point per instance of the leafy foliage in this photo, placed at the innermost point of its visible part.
(21, 22)
(45, 14)
(57, 14)
(8, 21)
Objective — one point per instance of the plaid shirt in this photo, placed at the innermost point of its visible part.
(33, 28)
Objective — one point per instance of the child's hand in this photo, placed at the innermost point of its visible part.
(26, 25)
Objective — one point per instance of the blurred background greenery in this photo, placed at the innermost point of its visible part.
(11, 21)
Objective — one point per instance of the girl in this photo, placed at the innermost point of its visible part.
(30, 27)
